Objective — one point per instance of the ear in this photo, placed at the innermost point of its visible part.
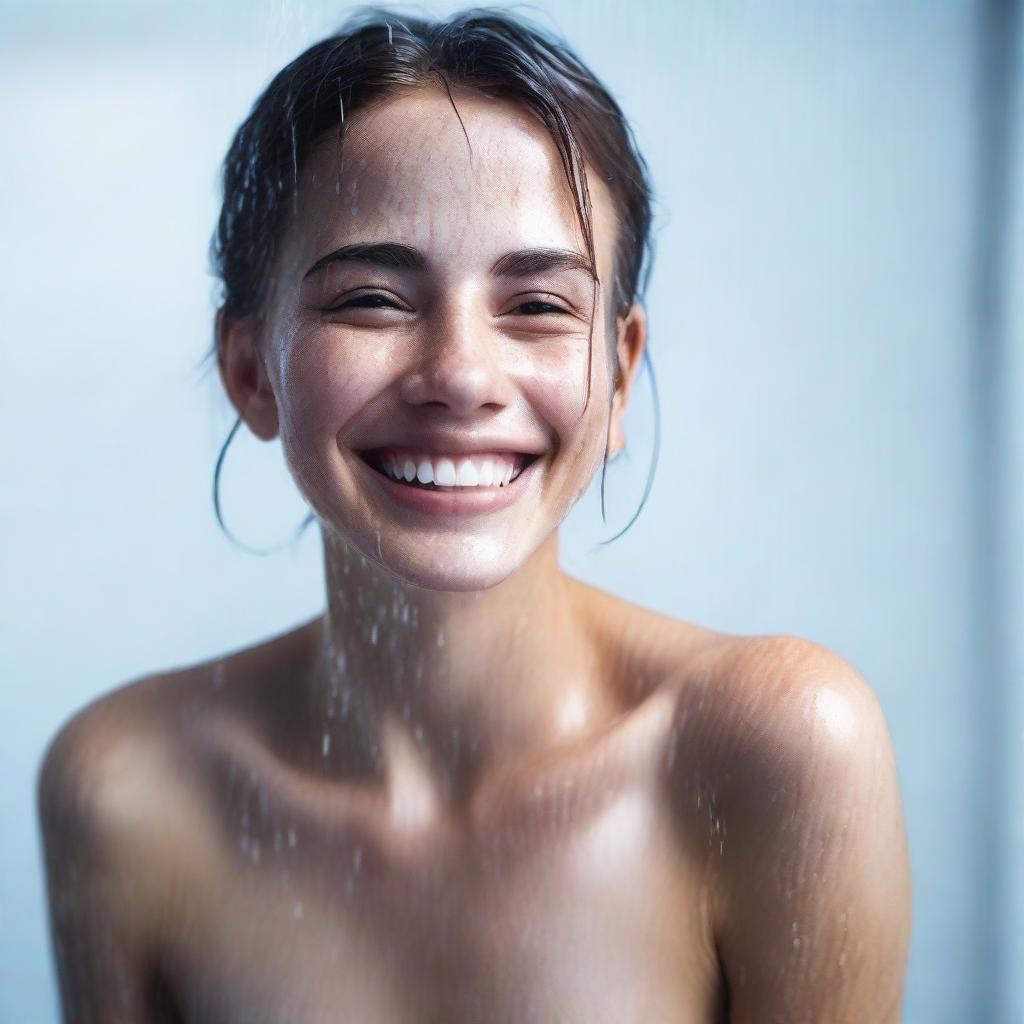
(631, 331)
(243, 374)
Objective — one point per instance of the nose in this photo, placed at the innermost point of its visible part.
(458, 366)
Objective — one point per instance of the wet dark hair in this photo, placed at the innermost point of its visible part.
(375, 54)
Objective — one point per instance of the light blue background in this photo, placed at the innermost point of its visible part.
(837, 327)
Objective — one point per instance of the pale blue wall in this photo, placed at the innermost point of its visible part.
(1010, 517)
(814, 332)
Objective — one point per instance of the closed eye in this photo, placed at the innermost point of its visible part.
(368, 301)
(550, 308)
(534, 307)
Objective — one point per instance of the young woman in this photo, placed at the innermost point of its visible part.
(474, 789)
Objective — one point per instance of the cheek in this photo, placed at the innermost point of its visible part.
(574, 404)
(556, 380)
(324, 381)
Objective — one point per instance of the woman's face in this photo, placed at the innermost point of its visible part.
(452, 346)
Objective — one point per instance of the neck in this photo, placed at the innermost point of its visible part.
(463, 683)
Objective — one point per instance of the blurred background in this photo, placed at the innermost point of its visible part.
(837, 328)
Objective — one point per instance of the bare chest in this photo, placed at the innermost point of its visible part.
(571, 902)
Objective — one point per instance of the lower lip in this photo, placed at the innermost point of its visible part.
(462, 501)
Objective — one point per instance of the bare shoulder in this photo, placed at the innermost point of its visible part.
(726, 679)
(753, 712)
(118, 767)
(115, 810)
(785, 783)
(119, 825)
(108, 825)
(782, 696)
(114, 741)
(94, 761)
(128, 825)
(767, 722)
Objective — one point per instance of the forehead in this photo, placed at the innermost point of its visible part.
(467, 185)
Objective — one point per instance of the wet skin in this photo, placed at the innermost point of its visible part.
(719, 838)
(276, 890)
(474, 789)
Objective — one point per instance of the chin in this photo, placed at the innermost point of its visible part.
(477, 563)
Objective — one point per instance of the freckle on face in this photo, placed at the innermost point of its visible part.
(408, 176)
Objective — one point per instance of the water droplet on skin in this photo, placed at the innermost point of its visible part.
(373, 633)
(673, 742)
(326, 744)
(298, 910)
(293, 839)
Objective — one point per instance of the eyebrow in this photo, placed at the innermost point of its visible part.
(395, 256)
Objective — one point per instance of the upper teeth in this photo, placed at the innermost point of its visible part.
(453, 471)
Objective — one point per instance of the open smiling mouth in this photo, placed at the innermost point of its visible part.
(451, 473)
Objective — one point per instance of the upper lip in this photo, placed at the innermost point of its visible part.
(438, 444)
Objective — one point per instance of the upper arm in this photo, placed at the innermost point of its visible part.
(97, 898)
(807, 859)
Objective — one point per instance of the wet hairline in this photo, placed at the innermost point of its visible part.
(331, 136)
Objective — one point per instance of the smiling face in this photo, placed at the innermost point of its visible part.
(426, 350)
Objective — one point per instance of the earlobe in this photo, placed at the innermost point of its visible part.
(244, 375)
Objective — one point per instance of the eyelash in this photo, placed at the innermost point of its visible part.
(351, 304)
